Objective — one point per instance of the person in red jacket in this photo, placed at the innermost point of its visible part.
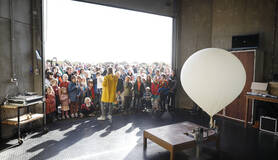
(65, 82)
(163, 92)
(55, 87)
(50, 104)
(155, 93)
(87, 108)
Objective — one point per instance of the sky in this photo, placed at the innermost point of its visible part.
(90, 33)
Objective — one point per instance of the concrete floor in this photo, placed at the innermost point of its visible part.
(122, 139)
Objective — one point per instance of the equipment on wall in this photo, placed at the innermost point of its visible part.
(38, 58)
(245, 42)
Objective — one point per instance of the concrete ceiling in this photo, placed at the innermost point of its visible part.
(159, 7)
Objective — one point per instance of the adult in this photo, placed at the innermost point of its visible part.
(56, 74)
(69, 72)
(148, 82)
(172, 90)
(157, 73)
(139, 90)
(98, 85)
(48, 78)
(127, 93)
(109, 87)
(120, 88)
(163, 92)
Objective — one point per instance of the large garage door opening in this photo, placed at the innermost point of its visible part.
(79, 32)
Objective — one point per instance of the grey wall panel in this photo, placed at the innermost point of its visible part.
(160, 7)
(23, 57)
(22, 11)
(5, 71)
(4, 9)
(5, 60)
(21, 8)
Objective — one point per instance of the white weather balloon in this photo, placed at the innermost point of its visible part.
(213, 78)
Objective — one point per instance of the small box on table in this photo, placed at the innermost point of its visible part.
(259, 88)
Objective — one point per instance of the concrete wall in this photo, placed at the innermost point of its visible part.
(22, 54)
(212, 23)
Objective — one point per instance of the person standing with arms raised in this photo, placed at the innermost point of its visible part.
(109, 86)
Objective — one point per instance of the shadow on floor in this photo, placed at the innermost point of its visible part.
(71, 137)
(86, 127)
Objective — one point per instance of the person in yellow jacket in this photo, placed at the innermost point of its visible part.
(109, 86)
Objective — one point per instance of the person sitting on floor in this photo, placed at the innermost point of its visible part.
(87, 108)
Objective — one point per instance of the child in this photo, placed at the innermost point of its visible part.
(147, 99)
(73, 90)
(50, 104)
(87, 108)
(127, 93)
(90, 92)
(65, 82)
(64, 99)
(154, 89)
(54, 84)
(82, 90)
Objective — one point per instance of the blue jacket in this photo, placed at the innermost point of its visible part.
(74, 91)
(163, 91)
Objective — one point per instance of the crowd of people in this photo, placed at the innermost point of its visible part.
(78, 90)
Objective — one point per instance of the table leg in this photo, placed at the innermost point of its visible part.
(172, 156)
(145, 143)
(18, 126)
(18, 122)
(198, 151)
(44, 117)
(246, 112)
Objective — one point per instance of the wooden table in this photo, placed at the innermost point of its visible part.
(259, 98)
(173, 138)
